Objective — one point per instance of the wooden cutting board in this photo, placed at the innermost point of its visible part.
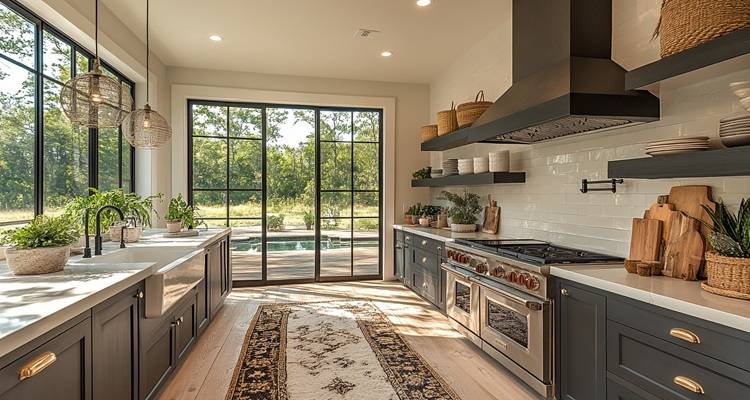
(491, 217)
(665, 213)
(681, 224)
(645, 239)
(689, 199)
(688, 255)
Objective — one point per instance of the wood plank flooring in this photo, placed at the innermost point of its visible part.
(206, 372)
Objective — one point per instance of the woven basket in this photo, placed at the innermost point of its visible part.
(688, 23)
(468, 113)
(428, 132)
(446, 121)
(727, 276)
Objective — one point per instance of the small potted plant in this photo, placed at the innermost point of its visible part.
(728, 264)
(275, 223)
(412, 216)
(40, 247)
(309, 219)
(463, 213)
(175, 214)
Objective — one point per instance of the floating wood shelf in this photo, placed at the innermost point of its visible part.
(729, 46)
(711, 163)
(486, 178)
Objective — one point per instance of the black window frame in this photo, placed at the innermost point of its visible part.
(40, 27)
(263, 190)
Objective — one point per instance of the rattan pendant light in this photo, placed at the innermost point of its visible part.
(94, 100)
(145, 128)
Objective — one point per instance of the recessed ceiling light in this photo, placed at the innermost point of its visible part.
(424, 3)
(215, 38)
(386, 53)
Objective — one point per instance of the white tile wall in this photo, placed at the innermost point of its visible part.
(549, 205)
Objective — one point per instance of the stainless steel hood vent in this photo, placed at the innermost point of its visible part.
(564, 81)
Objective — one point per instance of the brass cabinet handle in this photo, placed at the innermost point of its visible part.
(424, 260)
(139, 295)
(684, 334)
(564, 292)
(37, 365)
(424, 243)
(689, 384)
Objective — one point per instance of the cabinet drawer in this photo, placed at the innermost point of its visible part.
(185, 326)
(617, 392)
(702, 337)
(669, 371)
(58, 369)
(426, 260)
(429, 245)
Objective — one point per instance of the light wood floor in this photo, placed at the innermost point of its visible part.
(206, 372)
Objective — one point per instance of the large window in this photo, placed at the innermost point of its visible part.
(45, 161)
(300, 187)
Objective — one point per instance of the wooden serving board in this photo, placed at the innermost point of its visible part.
(681, 224)
(689, 199)
(645, 239)
(688, 256)
(665, 213)
(491, 217)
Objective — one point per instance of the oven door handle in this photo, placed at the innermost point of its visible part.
(530, 303)
(450, 268)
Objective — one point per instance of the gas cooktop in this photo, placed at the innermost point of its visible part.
(537, 252)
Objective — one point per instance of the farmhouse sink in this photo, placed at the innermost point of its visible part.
(176, 271)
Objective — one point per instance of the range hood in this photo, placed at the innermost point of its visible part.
(564, 80)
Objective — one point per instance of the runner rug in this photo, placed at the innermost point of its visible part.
(330, 350)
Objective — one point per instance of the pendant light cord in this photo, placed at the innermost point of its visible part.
(96, 29)
(148, 50)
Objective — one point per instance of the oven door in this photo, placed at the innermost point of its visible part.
(519, 326)
(462, 298)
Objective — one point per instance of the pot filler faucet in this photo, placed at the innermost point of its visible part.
(98, 237)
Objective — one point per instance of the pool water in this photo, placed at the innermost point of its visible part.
(298, 244)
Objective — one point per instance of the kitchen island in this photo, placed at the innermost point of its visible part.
(87, 324)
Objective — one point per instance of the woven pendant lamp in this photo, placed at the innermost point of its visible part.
(95, 100)
(145, 128)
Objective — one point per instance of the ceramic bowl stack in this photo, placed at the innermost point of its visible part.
(466, 166)
(499, 161)
(450, 167)
(436, 173)
(735, 131)
(481, 165)
(676, 146)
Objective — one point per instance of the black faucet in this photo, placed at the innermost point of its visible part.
(98, 237)
(87, 249)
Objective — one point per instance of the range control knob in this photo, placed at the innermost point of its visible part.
(450, 254)
(481, 268)
(511, 277)
(532, 283)
(523, 278)
(497, 272)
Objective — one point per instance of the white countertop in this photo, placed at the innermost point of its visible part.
(443, 235)
(31, 305)
(685, 297)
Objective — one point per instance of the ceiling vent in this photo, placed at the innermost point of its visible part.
(365, 33)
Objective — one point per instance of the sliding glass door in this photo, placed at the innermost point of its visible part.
(299, 186)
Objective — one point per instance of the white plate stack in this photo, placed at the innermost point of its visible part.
(450, 167)
(735, 131)
(499, 161)
(676, 146)
(466, 166)
(481, 165)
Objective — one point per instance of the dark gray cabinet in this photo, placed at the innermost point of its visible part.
(54, 366)
(185, 328)
(219, 274)
(398, 258)
(157, 355)
(422, 274)
(115, 345)
(581, 322)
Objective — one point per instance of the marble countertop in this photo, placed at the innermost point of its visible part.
(31, 305)
(685, 297)
(443, 235)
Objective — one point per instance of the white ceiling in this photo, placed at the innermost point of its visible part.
(313, 37)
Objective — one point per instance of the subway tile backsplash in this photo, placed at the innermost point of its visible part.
(549, 206)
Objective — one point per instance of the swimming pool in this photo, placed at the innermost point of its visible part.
(299, 244)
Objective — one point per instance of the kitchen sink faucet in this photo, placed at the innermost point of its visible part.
(98, 237)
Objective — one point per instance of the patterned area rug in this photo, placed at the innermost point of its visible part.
(330, 350)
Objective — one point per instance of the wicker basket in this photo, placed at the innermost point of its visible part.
(446, 121)
(428, 132)
(467, 113)
(688, 23)
(727, 276)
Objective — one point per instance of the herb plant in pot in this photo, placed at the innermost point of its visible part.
(463, 212)
(40, 247)
(728, 264)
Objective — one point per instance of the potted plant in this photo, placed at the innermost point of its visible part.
(728, 264)
(309, 219)
(175, 214)
(276, 223)
(413, 214)
(463, 213)
(40, 247)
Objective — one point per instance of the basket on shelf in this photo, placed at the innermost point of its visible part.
(447, 121)
(468, 113)
(727, 276)
(688, 23)
(428, 132)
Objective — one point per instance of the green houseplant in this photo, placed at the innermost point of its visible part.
(413, 214)
(464, 210)
(309, 219)
(728, 264)
(181, 215)
(275, 222)
(40, 247)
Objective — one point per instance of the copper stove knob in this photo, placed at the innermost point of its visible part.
(532, 283)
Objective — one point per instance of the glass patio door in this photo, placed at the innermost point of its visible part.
(299, 186)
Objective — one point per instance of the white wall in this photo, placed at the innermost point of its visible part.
(549, 205)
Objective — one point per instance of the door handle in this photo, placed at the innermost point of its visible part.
(564, 292)
(37, 365)
(689, 384)
(684, 334)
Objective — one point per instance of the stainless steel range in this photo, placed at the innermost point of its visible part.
(497, 294)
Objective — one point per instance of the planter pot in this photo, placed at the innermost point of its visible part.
(174, 226)
(424, 222)
(727, 276)
(407, 219)
(415, 219)
(463, 228)
(42, 260)
(132, 234)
